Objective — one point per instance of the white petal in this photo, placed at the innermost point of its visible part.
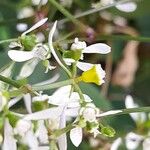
(14, 101)
(127, 7)
(68, 61)
(146, 144)
(50, 42)
(28, 68)
(38, 24)
(129, 103)
(28, 101)
(115, 145)
(84, 66)
(31, 140)
(76, 136)
(72, 112)
(41, 132)
(9, 140)
(62, 140)
(51, 80)
(50, 113)
(133, 140)
(100, 48)
(20, 56)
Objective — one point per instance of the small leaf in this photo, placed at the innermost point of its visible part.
(108, 131)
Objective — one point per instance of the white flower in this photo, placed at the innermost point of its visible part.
(99, 48)
(39, 51)
(137, 117)
(78, 44)
(133, 140)
(71, 100)
(127, 7)
(22, 127)
(89, 112)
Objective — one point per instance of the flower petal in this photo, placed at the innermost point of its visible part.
(9, 140)
(84, 66)
(62, 140)
(129, 103)
(50, 43)
(100, 48)
(14, 101)
(28, 101)
(38, 24)
(127, 7)
(50, 113)
(51, 80)
(76, 136)
(41, 132)
(115, 145)
(28, 68)
(20, 56)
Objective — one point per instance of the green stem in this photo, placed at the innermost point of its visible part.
(53, 85)
(124, 37)
(10, 81)
(124, 111)
(8, 41)
(66, 13)
(88, 12)
(59, 132)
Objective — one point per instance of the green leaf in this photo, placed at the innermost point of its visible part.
(108, 131)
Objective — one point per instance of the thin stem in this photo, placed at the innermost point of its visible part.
(10, 81)
(88, 12)
(53, 85)
(8, 41)
(124, 111)
(67, 14)
(124, 38)
(59, 132)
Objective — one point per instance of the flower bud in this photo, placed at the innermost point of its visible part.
(78, 45)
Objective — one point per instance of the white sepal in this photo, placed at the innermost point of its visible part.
(20, 56)
(99, 48)
(76, 136)
(38, 24)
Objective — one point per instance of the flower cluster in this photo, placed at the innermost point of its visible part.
(50, 117)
